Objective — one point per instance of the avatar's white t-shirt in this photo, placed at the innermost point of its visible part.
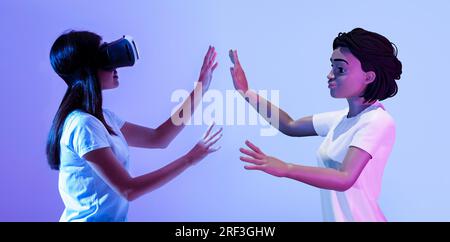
(372, 130)
(85, 194)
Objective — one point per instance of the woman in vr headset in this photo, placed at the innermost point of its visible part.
(89, 144)
(358, 140)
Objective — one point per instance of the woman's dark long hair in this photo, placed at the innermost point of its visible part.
(73, 57)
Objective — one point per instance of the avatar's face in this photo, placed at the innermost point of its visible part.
(346, 78)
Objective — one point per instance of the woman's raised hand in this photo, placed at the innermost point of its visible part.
(208, 67)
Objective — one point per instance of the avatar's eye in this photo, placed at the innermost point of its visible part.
(341, 70)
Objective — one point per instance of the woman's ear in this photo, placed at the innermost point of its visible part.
(370, 77)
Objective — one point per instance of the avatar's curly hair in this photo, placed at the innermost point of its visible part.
(376, 53)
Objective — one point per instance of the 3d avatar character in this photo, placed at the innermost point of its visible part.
(358, 139)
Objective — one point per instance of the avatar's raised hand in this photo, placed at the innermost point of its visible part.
(208, 67)
(237, 73)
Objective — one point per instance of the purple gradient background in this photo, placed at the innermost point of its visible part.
(283, 45)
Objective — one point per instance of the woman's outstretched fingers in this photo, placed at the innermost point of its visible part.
(209, 144)
(212, 150)
(212, 62)
(206, 58)
(214, 66)
(208, 130)
(213, 56)
(214, 135)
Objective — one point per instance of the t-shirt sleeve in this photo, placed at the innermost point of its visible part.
(323, 122)
(88, 135)
(114, 118)
(373, 133)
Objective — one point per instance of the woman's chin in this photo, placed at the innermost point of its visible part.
(112, 86)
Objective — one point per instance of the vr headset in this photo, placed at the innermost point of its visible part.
(120, 53)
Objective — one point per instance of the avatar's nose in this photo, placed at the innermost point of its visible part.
(330, 75)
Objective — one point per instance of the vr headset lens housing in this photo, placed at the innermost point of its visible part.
(120, 53)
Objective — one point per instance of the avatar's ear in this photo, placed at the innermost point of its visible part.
(370, 77)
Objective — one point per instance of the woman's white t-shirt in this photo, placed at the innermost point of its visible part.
(372, 130)
(85, 194)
